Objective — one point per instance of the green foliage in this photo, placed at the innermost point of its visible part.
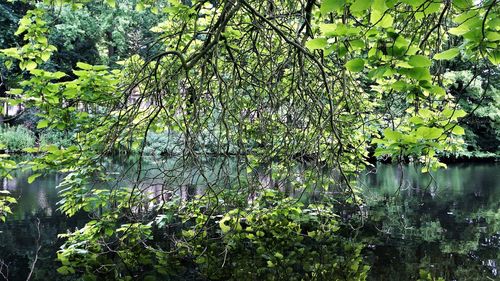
(38, 50)
(482, 99)
(99, 34)
(448, 54)
(232, 77)
(427, 276)
(6, 166)
(166, 143)
(6, 201)
(355, 65)
(10, 14)
(16, 138)
(275, 238)
(58, 138)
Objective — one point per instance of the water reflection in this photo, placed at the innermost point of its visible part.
(39, 198)
(447, 223)
(34, 213)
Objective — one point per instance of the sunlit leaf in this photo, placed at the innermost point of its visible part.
(317, 43)
(360, 5)
(355, 65)
(448, 54)
(328, 6)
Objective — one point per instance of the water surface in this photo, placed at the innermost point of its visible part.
(447, 223)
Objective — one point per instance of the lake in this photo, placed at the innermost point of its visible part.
(447, 223)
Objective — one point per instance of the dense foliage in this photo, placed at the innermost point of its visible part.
(289, 96)
(275, 239)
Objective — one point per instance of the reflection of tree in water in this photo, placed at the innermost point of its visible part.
(18, 246)
(452, 230)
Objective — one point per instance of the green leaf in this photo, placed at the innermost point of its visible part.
(109, 231)
(222, 224)
(278, 255)
(355, 65)
(457, 130)
(433, 7)
(494, 57)
(447, 55)
(416, 120)
(328, 29)
(33, 177)
(400, 85)
(379, 5)
(429, 133)
(100, 67)
(334, 29)
(425, 113)
(30, 65)
(360, 5)
(42, 124)
(401, 43)
(8, 64)
(64, 270)
(11, 52)
(392, 135)
(316, 43)
(357, 44)
(378, 15)
(84, 66)
(418, 73)
(459, 30)
(465, 16)
(459, 113)
(379, 151)
(15, 91)
(42, 40)
(58, 75)
(493, 36)
(462, 4)
(328, 6)
(438, 91)
(70, 93)
(139, 7)
(111, 3)
(420, 61)
(45, 56)
(386, 21)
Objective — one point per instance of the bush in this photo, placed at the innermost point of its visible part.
(166, 143)
(58, 138)
(16, 138)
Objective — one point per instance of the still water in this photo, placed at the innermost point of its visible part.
(447, 223)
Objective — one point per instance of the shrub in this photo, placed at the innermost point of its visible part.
(58, 138)
(16, 138)
(166, 143)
